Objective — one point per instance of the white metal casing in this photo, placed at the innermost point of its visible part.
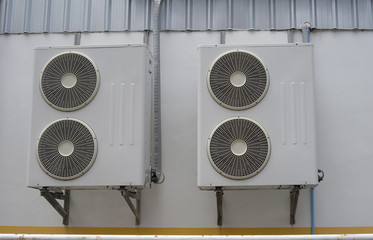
(286, 112)
(119, 115)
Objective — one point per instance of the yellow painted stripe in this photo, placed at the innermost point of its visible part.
(181, 231)
(344, 230)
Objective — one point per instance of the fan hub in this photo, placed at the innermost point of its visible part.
(238, 79)
(66, 148)
(68, 80)
(238, 147)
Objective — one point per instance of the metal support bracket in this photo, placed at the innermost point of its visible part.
(294, 194)
(219, 203)
(51, 198)
(135, 194)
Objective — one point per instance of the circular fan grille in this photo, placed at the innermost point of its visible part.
(238, 80)
(238, 148)
(69, 81)
(66, 149)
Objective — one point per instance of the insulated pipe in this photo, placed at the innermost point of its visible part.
(185, 237)
(306, 28)
(312, 211)
(157, 133)
(306, 32)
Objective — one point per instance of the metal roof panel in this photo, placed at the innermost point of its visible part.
(36, 16)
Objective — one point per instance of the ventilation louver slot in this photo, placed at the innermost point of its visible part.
(66, 149)
(238, 148)
(69, 81)
(238, 80)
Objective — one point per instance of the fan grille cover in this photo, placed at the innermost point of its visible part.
(238, 80)
(69, 81)
(238, 148)
(66, 149)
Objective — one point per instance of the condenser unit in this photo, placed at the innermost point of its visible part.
(256, 126)
(90, 117)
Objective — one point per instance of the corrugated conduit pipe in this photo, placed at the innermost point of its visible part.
(157, 175)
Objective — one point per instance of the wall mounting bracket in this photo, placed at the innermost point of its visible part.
(52, 196)
(129, 193)
(219, 203)
(294, 194)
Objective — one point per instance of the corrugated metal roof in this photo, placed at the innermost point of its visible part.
(36, 16)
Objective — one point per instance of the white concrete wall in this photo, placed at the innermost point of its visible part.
(344, 100)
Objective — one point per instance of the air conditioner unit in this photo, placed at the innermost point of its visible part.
(91, 114)
(256, 126)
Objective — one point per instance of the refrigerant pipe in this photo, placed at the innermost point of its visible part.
(306, 32)
(312, 211)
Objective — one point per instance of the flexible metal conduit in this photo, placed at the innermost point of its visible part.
(157, 135)
(181, 237)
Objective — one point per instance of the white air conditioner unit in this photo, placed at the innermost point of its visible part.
(256, 126)
(90, 117)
